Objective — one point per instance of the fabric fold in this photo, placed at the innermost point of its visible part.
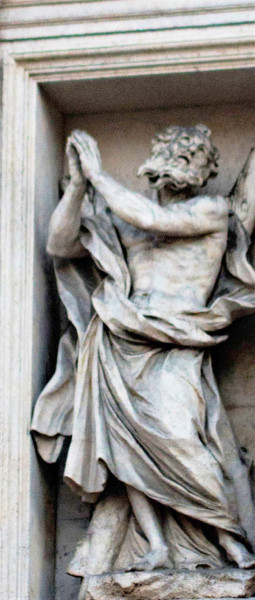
(124, 369)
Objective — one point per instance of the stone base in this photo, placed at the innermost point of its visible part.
(165, 584)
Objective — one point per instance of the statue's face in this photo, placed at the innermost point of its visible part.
(182, 157)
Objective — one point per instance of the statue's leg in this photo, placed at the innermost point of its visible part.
(151, 527)
(236, 550)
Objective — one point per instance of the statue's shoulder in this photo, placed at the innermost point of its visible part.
(211, 204)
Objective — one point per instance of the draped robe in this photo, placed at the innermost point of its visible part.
(136, 391)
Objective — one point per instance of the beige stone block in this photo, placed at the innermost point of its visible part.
(166, 585)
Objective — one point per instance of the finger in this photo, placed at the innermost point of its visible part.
(70, 147)
(83, 135)
(73, 157)
(68, 144)
(81, 148)
(84, 141)
(80, 138)
(71, 151)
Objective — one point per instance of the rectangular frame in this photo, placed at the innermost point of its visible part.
(27, 63)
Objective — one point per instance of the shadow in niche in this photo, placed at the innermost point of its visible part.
(58, 319)
(233, 364)
(43, 527)
(72, 520)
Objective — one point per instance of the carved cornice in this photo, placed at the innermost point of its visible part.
(25, 19)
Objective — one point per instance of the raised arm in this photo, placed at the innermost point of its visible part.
(65, 222)
(198, 216)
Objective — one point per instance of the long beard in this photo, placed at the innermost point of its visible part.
(177, 177)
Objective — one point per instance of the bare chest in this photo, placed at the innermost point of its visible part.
(184, 268)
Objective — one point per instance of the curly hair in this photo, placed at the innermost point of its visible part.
(195, 136)
(181, 157)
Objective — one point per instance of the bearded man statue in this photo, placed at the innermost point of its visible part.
(149, 287)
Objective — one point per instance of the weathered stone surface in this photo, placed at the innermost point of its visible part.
(164, 585)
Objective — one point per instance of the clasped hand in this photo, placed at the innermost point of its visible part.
(83, 157)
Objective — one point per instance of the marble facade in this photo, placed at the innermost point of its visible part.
(33, 58)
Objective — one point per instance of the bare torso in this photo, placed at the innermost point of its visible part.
(171, 273)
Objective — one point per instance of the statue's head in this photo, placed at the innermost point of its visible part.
(181, 157)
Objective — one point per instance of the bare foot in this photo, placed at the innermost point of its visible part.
(152, 560)
(247, 561)
(236, 551)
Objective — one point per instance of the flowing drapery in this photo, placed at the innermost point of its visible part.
(136, 391)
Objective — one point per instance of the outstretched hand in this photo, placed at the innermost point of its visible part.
(83, 155)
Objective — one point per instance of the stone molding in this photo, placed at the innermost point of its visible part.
(35, 20)
(26, 63)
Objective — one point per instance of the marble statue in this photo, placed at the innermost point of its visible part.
(149, 286)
